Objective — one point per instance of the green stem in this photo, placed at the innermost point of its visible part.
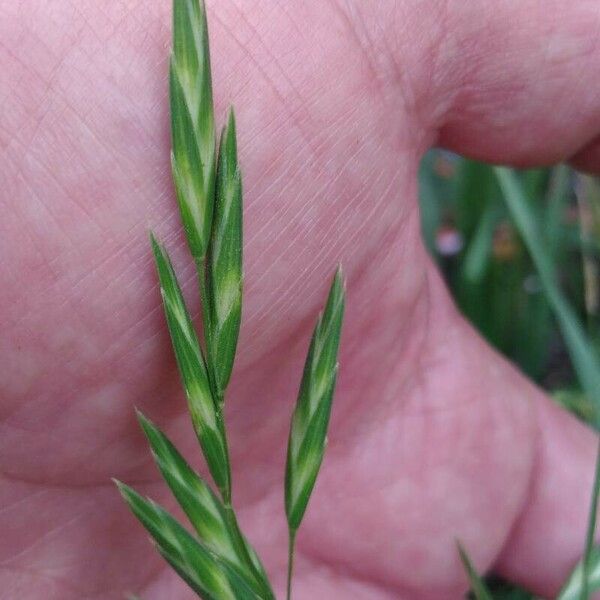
(239, 540)
(226, 491)
(290, 569)
(205, 302)
(205, 299)
(589, 540)
(242, 549)
(201, 269)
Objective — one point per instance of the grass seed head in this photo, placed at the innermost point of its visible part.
(204, 572)
(224, 271)
(310, 420)
(205, 511)
(192, 123)
(192, 368)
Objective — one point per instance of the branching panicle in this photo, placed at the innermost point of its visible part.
(217, 562)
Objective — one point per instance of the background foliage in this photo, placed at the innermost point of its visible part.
(470, 231)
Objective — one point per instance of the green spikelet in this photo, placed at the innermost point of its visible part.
(308, 431)
(192, 123)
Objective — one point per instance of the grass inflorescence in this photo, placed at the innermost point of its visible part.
(217, 561)
(500, 241)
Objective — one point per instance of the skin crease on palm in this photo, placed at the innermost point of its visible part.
(434, 437)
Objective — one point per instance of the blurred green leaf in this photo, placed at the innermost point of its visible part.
(478, 253)
(534, 183)
(583, 356)
(474, 195)
(588, 554)
(573, 587)
(430, 202)
(575, 401)
(477, 584)
(556, 200)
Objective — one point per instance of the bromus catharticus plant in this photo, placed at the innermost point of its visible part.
(217, 561)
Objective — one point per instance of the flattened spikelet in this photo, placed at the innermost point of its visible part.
(204, 572)
(205, 416)
(308, 432)
(206, 512)
(192, 123)
(225, 262)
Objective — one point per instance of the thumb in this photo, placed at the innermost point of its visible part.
(548, 538)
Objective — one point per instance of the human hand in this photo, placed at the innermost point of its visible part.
(434, 437)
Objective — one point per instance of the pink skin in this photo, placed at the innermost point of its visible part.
(434, 436)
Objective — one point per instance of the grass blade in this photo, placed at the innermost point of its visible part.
(556, 200)
(311, 416)
(205, 416)
(572, 589)
(475, 182)
(202, 570)
(477, 584)
(583, 356)
(209, 517)
(192, 123)
(224, 271)
(478, 253)
(591, 530)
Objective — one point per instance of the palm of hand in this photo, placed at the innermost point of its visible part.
(433, 437)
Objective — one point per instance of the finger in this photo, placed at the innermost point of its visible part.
(516, 81)
(588, 158)
(524, 91)
(549, 536)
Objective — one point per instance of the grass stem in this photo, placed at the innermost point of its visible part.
(589, 539)
(225, 491)
(201, 268)
(241, 547)
(290, 569)
(205, 299)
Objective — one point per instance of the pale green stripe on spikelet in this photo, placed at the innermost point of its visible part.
(192, 123)
(208, 575)
(204, 413)
(308, 432)
(215, 526)
(224, 273)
